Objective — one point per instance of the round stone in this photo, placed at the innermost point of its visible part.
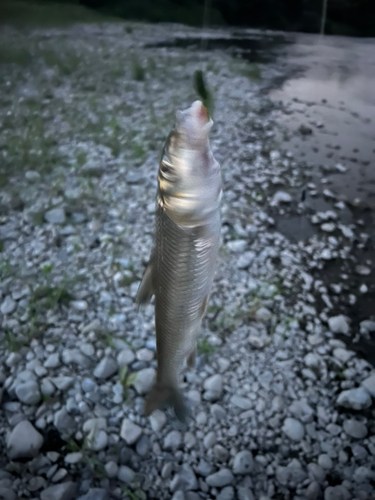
(220, 479)
(24, 441)
(130, 432)
(243, 462)
(336, 493)
(172, 441)
(157, 420)
(209, 440)
(111, 469)
(125, 474)
(28, 392)
(355, 429)
(325, 461)
(144, 380)
(263, 314)
(106, 368)
(355, 399)
(8, 306)
(293, 429)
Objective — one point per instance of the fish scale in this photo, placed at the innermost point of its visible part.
(183, 283)
(183, 261)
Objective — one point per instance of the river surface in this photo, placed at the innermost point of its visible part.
(333, 95)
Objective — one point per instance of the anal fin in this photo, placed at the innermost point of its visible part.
(192, 359)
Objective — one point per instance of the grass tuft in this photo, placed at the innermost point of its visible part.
(138, 71)
(66, 63)
(3, 180)
(11, 342)
(252, 71)
(204, 347)
(126, 380)
(14, 55)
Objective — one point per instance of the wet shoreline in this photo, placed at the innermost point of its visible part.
(322, 104)
(326, 114)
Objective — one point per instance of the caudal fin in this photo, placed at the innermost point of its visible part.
(161, 396)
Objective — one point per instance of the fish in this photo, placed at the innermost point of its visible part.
(184, 258)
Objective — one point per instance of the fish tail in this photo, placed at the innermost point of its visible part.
(162, 395)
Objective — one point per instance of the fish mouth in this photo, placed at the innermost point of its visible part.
(195, 122)
(200, 112)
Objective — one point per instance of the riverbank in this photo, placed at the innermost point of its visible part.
(280, 407)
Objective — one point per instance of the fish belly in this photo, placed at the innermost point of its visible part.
(184, 267)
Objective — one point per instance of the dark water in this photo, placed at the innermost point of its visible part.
(334, 96)
(257, 48)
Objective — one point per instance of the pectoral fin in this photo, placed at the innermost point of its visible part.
(203, 306)
(146, 288)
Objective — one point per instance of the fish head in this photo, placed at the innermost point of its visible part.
(189, 176)
(193, 126)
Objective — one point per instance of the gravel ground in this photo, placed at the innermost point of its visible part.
(280, 408)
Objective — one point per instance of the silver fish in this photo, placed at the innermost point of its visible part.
(181, 269)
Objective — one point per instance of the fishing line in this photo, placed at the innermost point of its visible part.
(199, 81)
(206, 11)
(303, 206)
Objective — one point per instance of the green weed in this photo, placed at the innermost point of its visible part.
(204, 93)
(136, 495)
(48, 399)
(138, 151)
(81, 158)
(66, 63)
(11, 342)
(3, 180)
(213, 309)
(88, 456)
(138, 72)
(204, 347)
(113, 140)
(126, 380)
(38, 218)
(117, 71)
(71, 446)
(5, 269)
(252, 71)
(151, 65)
(96, 465)
(14, 55)
(33, 104)
(48, 297)
(31, 146)
(47, 269)
(106, 338)
(287, 321)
